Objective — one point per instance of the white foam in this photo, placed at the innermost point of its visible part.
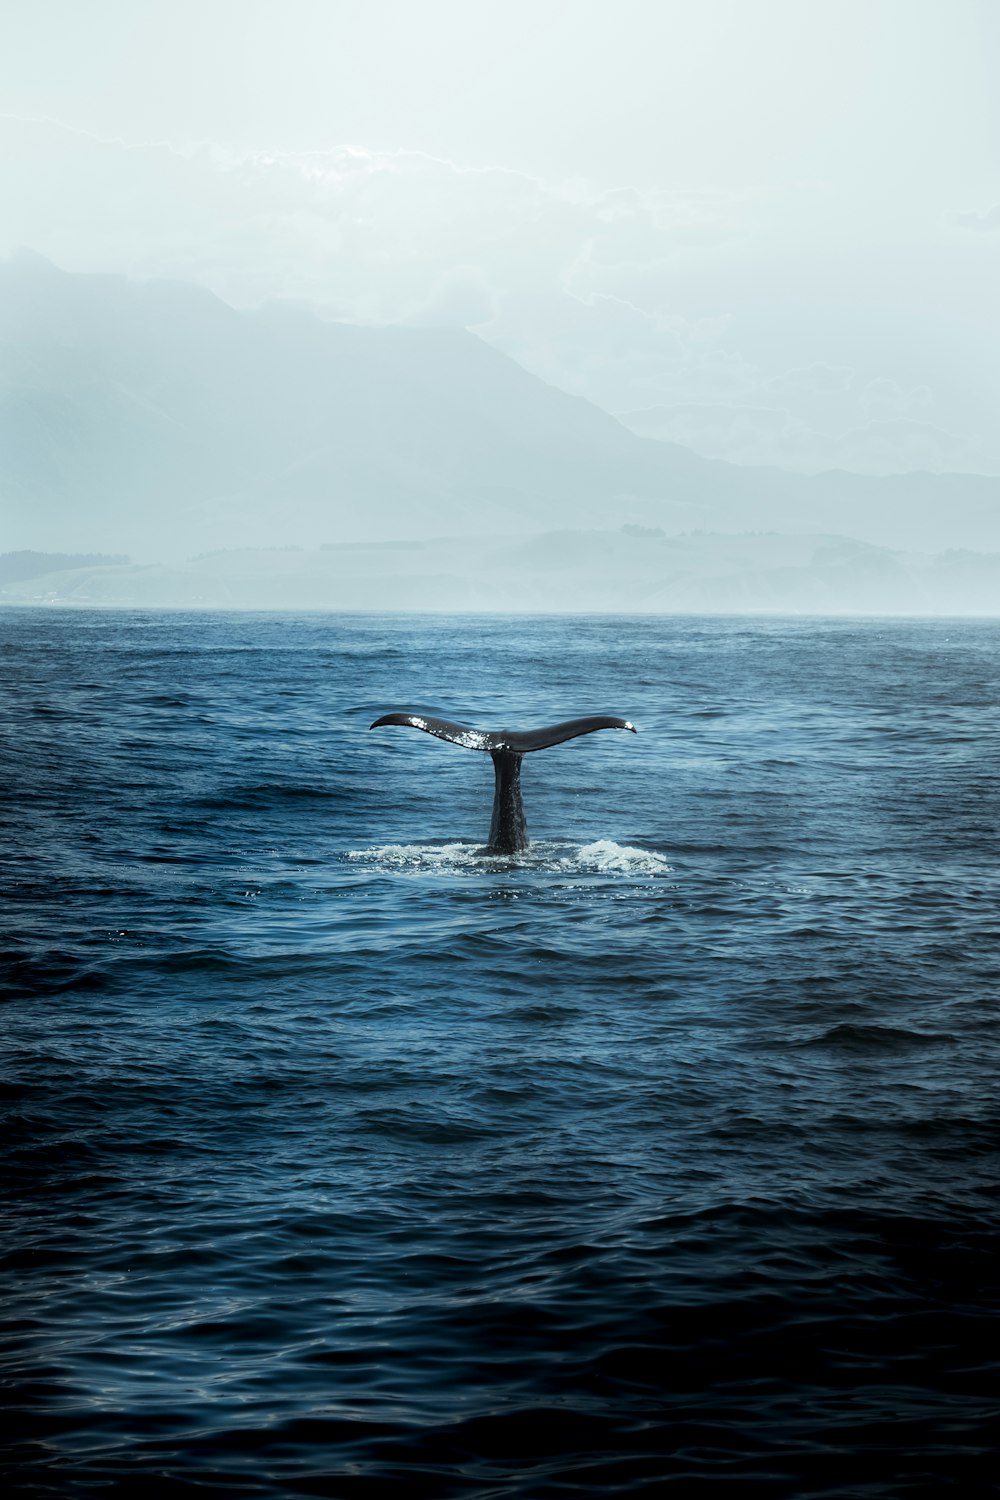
(604, 857)
(442, 857)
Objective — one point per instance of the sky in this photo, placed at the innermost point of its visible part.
(767, 229)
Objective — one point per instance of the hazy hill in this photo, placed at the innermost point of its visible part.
(153, 418)
(624, 571)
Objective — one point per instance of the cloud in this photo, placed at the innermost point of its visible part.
(818, 378)
(358, 231)
(982, 222)
(460, 298)
(884, 399)
(740, 434)
(776, 436)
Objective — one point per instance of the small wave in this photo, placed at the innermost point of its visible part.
(604, 857)
(858, 1037)
(268, 793)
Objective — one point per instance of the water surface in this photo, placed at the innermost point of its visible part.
(342, 1156)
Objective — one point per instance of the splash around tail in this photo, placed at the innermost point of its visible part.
(545, 857)
(508, 829)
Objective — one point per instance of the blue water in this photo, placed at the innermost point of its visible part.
(343, 1159)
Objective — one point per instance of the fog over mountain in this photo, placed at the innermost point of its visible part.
(766, 231)
(629, 570)
(803, 329)
(150, 418)
(156, 416)
(490, 277)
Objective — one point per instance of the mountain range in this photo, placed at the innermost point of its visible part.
(154, 419)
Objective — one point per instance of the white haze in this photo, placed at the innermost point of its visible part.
(764, 230)
(762, 223)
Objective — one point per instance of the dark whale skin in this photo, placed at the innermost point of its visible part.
(508, 829)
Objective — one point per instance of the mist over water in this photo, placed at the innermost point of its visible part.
(342, 1156)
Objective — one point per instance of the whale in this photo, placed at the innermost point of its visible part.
(508, 829)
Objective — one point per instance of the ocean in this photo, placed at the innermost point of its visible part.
(342, 1158)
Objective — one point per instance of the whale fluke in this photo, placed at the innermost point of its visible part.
(554, 734)
(444, 729)
(508, 831)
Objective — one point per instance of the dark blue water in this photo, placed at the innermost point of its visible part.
(341, 1159)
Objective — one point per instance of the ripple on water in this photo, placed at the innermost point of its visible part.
(342, 1160)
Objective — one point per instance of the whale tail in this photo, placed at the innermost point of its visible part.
(508, 830)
